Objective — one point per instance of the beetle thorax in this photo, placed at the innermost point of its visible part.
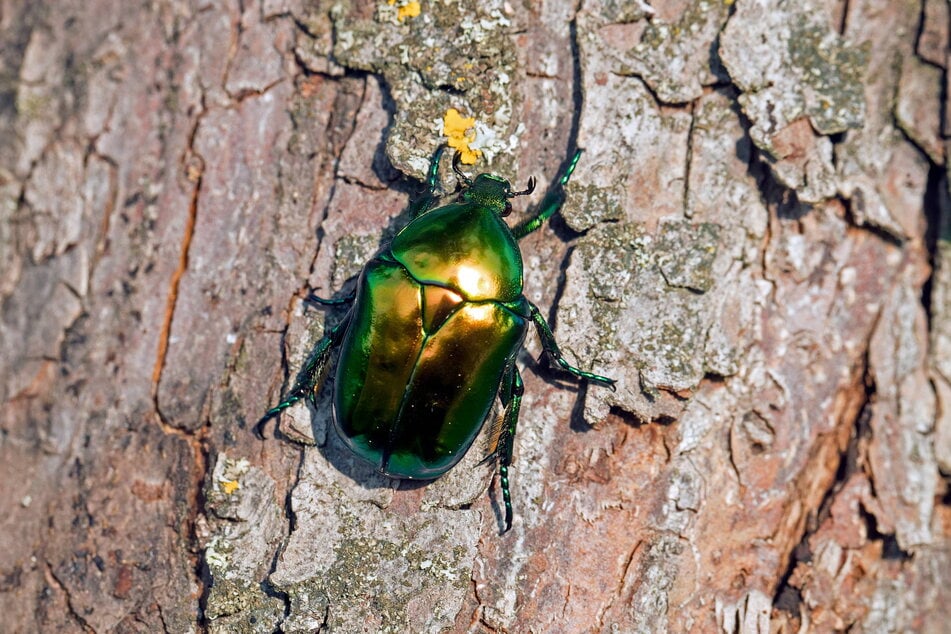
(489, 191)
(465, 247)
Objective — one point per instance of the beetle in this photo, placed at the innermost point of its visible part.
(432, 335)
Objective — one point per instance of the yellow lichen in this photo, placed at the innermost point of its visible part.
(406, 9)
(460, 132)
(229, 486)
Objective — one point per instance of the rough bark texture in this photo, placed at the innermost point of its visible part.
(756, 244)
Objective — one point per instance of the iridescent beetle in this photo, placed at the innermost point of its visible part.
(431, 338)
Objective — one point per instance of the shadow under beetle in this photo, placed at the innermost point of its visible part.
(433, 332)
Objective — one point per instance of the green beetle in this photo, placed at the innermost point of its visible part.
(436, 324)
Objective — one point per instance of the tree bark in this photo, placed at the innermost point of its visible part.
(756, 245)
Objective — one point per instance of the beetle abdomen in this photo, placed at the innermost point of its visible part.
(419, 370)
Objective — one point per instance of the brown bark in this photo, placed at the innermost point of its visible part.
(756, 245)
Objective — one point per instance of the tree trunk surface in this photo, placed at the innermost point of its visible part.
(756, 245)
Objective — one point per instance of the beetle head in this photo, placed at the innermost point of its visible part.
(494, 191)
(488, 189)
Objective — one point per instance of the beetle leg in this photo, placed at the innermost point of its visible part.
(312, 375)
(551, 347)
(552, 202)
(497, 430)
(511, 387)
(428, 199)
(333, 301)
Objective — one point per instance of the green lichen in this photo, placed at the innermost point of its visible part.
(790, 64)
(263, 619)
(33, 106)
(676, 343)
(832, 77)
(373, 580)
(686, 252)
(589, 205)
(231, 596)
(651, 297)
(235, 603)
(359, 572)
(352, 251)
(673, 57)
(612, 258)
(623, 11)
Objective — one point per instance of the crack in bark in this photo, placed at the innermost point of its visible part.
(251, 93)
(787, 597)
(688, 163)
(936, 204)
(196, 440)
(56, 582)
(161, 615)
(266, 586)
(621, 585)
(111, 204)
(304, 289)
(236, 30)
(844, 20)
(477, 613)
(577, 80)
(325, 212)
(172, 299)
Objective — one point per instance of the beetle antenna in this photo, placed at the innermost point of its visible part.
(457, 157)
(525, 192)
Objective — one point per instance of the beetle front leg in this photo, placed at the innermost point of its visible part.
(552, 202)
(512, 390)
(551, 347)
(333, 301)
(428, 199)
(312, 375)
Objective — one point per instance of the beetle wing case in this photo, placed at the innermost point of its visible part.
(409, 400)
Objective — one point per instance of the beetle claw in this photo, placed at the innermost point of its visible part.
(528, 190)
(492, 457)
(456, 162)
(259, 426)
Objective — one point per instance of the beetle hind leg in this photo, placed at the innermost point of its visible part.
(311, 376)
(511, 395)
(551, 347)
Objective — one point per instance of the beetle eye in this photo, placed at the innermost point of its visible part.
(507, 210)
